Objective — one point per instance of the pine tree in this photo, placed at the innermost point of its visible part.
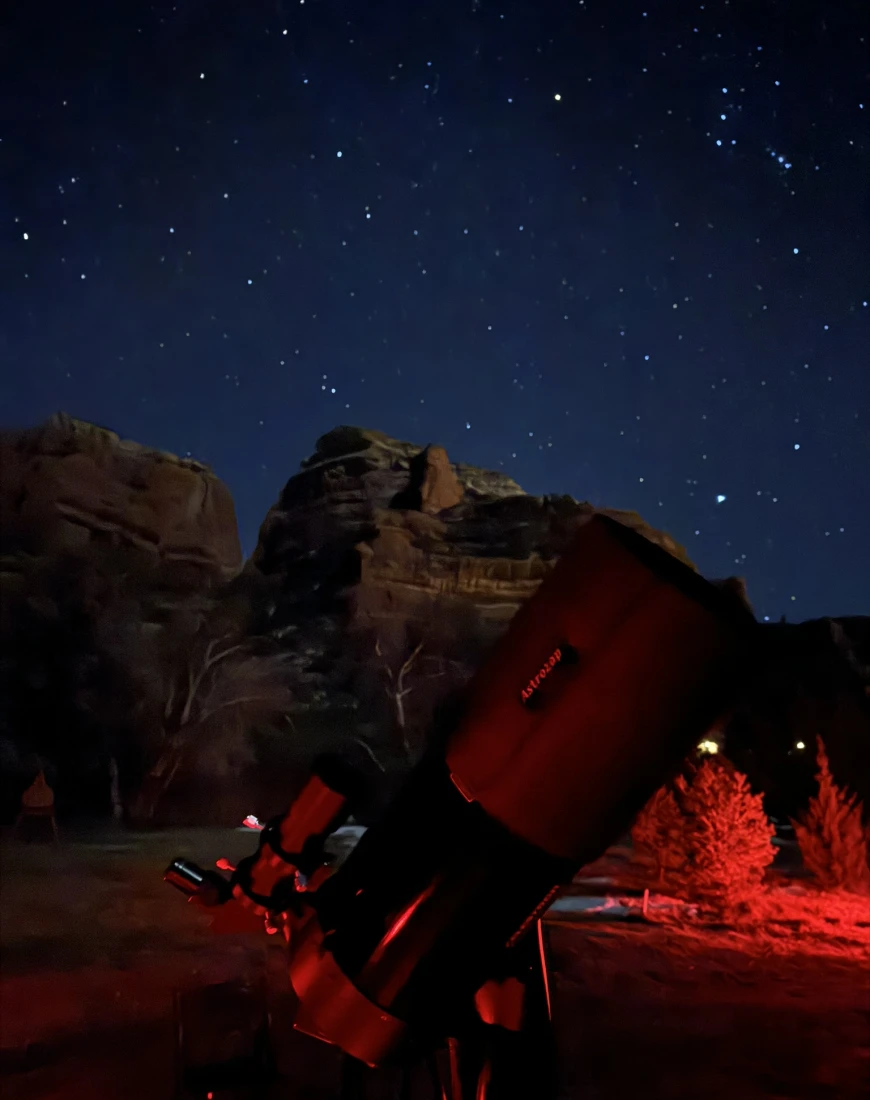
(831, 834)
(708, 835)
(727, 836)
(657, 834)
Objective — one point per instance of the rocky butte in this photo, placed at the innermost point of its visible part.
(378, 550)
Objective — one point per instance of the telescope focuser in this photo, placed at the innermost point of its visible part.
(207, 887)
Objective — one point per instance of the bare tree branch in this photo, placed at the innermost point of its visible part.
(410, 661)
(214, 658)
(242, 701)
(396, 691)
(193, 684)
(368, 749)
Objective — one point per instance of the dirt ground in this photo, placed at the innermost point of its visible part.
(94, 946)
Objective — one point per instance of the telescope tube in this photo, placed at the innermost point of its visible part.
(603, 683)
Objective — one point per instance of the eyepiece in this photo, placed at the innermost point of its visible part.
(193, 881)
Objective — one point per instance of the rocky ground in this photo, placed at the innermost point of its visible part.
(95, 947)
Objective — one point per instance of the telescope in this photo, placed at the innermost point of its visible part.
(428, 936)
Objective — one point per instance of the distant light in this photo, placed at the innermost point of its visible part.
(171, 230)
(797, 446)
(795, 250)
(723, 117)
(557, 97)
(721, 498)
(724, 91)
(709, 747)
(338, 154)
(202, 76)
(800, 745)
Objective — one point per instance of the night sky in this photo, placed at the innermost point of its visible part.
(620, 250)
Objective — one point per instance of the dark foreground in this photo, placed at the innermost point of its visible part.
(94, 946)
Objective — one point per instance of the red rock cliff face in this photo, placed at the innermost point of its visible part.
(381, 542)
(68, 484)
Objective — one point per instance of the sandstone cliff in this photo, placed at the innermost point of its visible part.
(378, 547)
(67, 485)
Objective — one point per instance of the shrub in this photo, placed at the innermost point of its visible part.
(711, 837)
(831, 834)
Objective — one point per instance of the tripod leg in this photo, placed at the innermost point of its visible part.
(484, 1081)
(455, 1077)
(438, 1084)
(406, 1084)
(545, 968)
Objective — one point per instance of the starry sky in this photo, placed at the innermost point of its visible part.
(621, 251)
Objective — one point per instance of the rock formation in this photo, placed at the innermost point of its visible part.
(384, 568)
(67, 485)
(99, 538)
(377, 543)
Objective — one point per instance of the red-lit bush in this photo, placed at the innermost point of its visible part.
(710, 836)
(831, 835)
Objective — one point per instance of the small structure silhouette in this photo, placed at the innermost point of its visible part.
(37, 802)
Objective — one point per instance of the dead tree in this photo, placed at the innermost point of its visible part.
(206, 696)
(397, 689)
